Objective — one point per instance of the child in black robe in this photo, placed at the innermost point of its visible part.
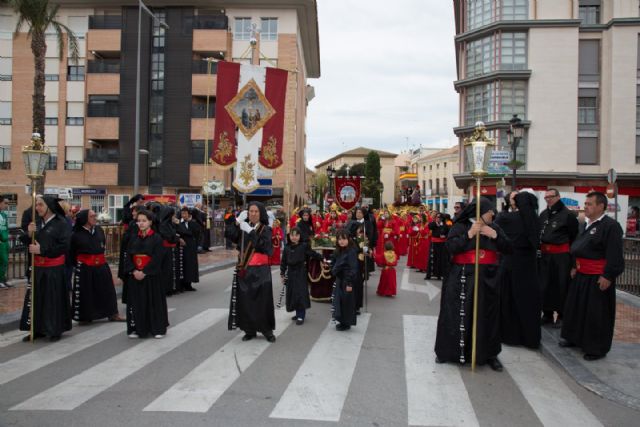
(344, 268)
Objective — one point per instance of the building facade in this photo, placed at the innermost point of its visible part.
(91, 105)
(569, 69)
(435, 177)
(359, 155)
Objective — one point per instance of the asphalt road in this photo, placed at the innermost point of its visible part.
(380, 373)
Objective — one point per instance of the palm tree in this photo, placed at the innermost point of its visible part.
(40, 16)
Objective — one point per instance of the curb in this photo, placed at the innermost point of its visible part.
(11, 321)
(583, 376)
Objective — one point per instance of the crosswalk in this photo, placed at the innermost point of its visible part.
(436, 395)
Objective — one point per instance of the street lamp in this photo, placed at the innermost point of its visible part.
(331, 174)
(478, 148)
(136, 157)
(514, 135)
(35, 157)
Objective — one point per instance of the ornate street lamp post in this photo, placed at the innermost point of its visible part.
(35, 157)
(514, 135)
(331, 174)
(478, 148)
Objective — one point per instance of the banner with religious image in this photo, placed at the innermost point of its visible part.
(347, 191)
(250, 99)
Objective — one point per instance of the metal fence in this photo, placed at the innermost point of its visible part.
(629, 280)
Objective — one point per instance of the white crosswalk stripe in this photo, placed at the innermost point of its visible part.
(203, 386)
(428, 288)
(552, 401)
(319, 388)
(75, 391)
(436, 394)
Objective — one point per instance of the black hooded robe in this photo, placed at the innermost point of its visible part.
(293, 264)
(52, 315)
(589, 313)
(345, 270)
(438, 256)
(454, 332)
(93, 295)
(189, 253)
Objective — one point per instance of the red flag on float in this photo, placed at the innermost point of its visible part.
(273, 130)
(224, 138)
(347, 191)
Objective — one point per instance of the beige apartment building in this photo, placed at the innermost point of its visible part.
(435, 176)
(569, 69)
(359, 155)
(90, 105)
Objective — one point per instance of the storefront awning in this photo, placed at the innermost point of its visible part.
(408, 177)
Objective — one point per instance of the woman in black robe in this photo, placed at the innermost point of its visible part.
(453, 337)
(187, 231)
(93, 296)
(293, 269)
(146, 300)
(520, 298)
(344, 262)
(438, 256)
(251, 306)
(305, 225)
(51, 314)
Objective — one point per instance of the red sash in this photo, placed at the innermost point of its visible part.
(549, 248)
(469, 257)
(43, 261)
(258, 259)
(141, 261)
(590, 266)
(94, 260)
(438, 239)
(168, 245)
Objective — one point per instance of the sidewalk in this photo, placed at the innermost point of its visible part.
(11, 300)
(616, 377)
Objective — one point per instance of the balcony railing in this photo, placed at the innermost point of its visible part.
(104, 66)
(103, 110)
(199, 111)
(210, 22)
(105, 22)
(102, 155)
(73, 165)
(200, 67)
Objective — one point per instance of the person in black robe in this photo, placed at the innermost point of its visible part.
(361, 230)
(438, 256)
(93, 295)
(454, 332)
(146, 300)
(305, 225)
(520, 297)
(590, 309)
(187, 230)
(167, 230)
(293, 272)
(51, 313)
(344, 268)
(559, 229)
(251, 305)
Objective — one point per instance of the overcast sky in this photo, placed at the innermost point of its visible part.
(387, 72)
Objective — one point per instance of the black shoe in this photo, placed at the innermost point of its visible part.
(299, 321)
(440, 361)
(564, 343)
(270, 338)
(592, 357)
(248, 337)
(54, 338)
(495, 364)
(294, 318)
(342, 327)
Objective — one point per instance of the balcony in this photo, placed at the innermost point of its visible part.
(103, 84)
(105, 22)
(109, 109)
(209, 42)
(199, 66)
(201, 83)
(5, 165)
(73, 165)
(102, 128)
(210, 22)
(104, 66)
(104, 33)
(102, 155)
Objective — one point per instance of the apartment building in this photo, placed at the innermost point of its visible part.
(569, 69)
(91, 105)
(435, 176)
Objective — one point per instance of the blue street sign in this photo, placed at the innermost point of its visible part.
(265, 182)
(261, 192)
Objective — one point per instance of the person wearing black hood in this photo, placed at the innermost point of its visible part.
(51, 314)
(454, 332)
(251, 306)
(559, 229)
(520, 298)
(166, 228)
(93, 295)
(305, 225)
(187, 231)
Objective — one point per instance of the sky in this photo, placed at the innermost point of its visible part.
(387, 72)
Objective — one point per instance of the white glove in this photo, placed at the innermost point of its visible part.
(386, 236)
(242, 217)
(365, 249)
(415, 228)
(361, 220)
(244, 226)
(382, 217)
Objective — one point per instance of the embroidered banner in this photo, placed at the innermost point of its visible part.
(347, 191)
(224, 138)
(273, 131)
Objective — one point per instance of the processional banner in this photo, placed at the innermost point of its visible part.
(347, 191)
(251, 99)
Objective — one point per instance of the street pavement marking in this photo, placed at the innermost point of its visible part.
(77, 390)
(319, 388)
(553, 402)
(431, 290)
(199, 390)
(436, 394)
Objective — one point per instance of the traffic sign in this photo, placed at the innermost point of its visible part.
(612, 176)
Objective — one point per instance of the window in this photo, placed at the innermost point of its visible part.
(51, 121)
(73, 158)
(75, 121)
(75, 113)
(197, 151)
(242, 29)
(479, 103)
(430, 167)
(513, 51)
(51, 77)
(437, 165)
(587, 150)
(5, 69)
(52, 162)
(5, 112)
(268, 28)
(513, 99)
(424, 169)
(103, 106)
(5, 157)
(589, 12)
(587, 111)
(483, 12)
(437, 185)
(96, 204)
(514, 9)
(445, 165)
(430, 184)
(589, 61)
(500, 51)
(75, 73)
(116, 203)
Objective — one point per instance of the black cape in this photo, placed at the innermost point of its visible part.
(438, 255)
(293, 264)
(189, 252)
(345, 270)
